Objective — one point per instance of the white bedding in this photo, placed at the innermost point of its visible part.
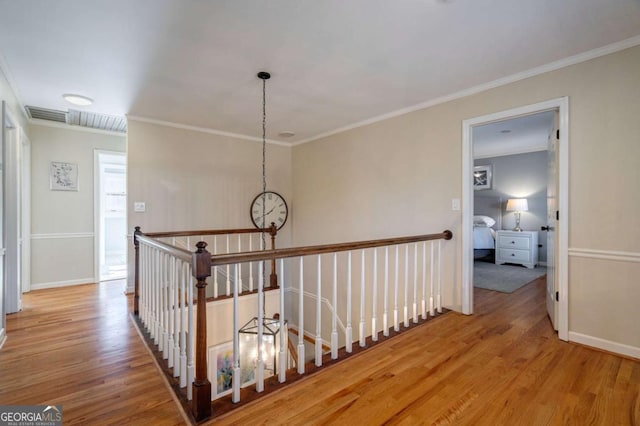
(484, 237)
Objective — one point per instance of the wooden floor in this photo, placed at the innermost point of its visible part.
(76, 346)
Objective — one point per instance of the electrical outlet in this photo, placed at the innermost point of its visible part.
(455, 204)
(139, 206)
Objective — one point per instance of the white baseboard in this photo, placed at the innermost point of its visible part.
(55, 284)
(606, 345)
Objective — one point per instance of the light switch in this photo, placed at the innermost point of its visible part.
(455, 204)
(139, 206)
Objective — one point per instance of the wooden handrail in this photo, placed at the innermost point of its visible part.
(167, 248)
(226, 259)
(209, 232)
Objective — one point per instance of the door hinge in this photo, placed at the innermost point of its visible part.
(557, 214)
(557, 296)
(558, 134)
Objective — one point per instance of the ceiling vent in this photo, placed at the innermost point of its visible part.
(74, 117)
(46, 114)
(94, 120)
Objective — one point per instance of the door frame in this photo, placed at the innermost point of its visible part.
(97, 207)
(562, 248)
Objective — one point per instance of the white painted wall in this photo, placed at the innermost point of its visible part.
(62, 231)
(397, 177)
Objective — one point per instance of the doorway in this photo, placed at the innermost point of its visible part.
(111, 217)
(561, 236)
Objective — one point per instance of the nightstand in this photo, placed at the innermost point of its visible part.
(517, 247)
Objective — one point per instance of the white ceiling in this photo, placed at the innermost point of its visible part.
(528, 133)
(334, 63)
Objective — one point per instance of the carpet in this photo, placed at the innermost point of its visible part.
(504, 278)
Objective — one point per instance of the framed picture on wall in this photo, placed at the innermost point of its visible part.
(221, 369)
(63, 176)
(482, 176)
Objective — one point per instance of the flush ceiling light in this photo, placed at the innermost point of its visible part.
(77, 99)
(286, 134)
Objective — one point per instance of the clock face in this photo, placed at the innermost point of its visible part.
(275, 210)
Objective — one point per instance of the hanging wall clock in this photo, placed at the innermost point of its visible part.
(275, 210)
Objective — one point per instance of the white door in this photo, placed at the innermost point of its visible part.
(552, 209)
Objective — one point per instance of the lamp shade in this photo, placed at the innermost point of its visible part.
(517, 205)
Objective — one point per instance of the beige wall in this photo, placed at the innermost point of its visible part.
(194, 180)
(62, 222)
(397, 177)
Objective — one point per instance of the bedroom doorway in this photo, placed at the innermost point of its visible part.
(538, 218)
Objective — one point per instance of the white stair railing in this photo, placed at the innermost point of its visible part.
(164, 300)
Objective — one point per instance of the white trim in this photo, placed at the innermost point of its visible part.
(62, 235)
(3, 337)
(56, 124)
(562, 105)
(65, 283)
(552, 66)
(607, 345)
(204, 130)
(620, 256)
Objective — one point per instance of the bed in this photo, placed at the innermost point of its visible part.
(486, 220)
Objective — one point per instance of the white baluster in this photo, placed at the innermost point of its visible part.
(439, 276)
(235, 395)
(178, 318)
(431, 300)
(301, 320)
(250, 265)
(282, 372)
(228, 292)
(183, 331)
(396, 319)
(165, 306)
(406, 286)
(362, 325)
(374, 319)
(191, 369)
(240, 285)
(260, 360)
(385, 314)
(318, 315)
(424, 280)
(156, 297)
(172, 308)
(349, 330)
(215, 268)
(142, 301)
(415, 283)
(334, 320)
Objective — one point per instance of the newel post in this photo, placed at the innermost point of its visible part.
(136, 272)
(273, 230)
(201, 265)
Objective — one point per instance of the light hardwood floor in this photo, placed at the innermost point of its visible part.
(76, 346)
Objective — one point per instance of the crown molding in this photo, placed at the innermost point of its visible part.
(203, 130)
(552, 66)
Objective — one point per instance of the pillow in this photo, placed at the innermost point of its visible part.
(483, 221)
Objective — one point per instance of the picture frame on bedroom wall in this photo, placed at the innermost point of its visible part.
(482, 177)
